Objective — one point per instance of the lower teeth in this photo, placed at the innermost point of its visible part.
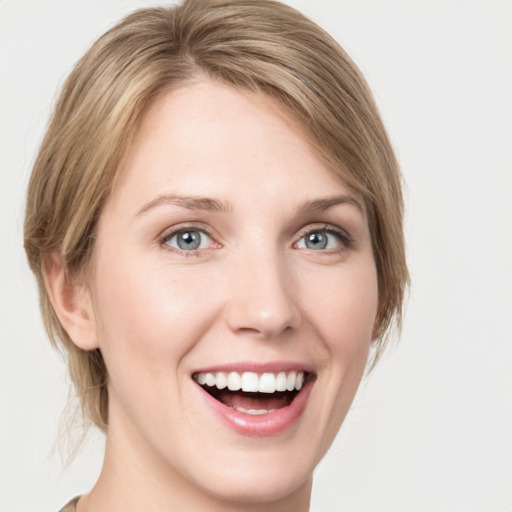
(253, 412)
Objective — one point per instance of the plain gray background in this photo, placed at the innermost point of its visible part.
(431, 429)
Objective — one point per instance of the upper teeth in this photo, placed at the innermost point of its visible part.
(252, 382)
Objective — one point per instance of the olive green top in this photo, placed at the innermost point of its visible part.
(71, 506)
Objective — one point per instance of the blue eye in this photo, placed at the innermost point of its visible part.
(320, 240)
(189, 240)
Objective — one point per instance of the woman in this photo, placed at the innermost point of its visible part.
(215, 222)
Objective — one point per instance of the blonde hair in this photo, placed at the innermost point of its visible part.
(256, 45)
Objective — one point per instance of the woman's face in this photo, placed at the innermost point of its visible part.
(228, 255)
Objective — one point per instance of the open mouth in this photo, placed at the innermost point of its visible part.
(252, 393)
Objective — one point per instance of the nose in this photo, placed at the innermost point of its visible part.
(262, 297)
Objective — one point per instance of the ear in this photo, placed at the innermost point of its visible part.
(72, 304)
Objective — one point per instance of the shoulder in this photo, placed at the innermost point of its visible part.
(71, 506)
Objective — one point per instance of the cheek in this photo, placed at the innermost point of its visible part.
(345, 308)
(146, 315)
(342, 311)
(147, 322)
(346, 315)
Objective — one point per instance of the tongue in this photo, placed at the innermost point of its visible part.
(256, 401)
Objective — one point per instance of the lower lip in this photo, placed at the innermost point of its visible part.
(264, 425)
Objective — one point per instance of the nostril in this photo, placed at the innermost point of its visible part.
(267, 323)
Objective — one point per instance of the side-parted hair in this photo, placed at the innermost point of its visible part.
(255, 45)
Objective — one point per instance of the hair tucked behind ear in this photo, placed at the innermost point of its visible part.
(258, 45)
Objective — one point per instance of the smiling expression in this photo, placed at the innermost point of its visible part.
(235, 295)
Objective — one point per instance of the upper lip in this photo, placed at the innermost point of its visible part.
(247, 366)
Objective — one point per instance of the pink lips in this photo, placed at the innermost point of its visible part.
(265, 425)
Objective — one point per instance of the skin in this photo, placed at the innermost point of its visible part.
(253, 292)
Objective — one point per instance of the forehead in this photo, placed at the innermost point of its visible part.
(211, 139)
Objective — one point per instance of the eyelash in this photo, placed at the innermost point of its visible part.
(346, 241)
(169, 235)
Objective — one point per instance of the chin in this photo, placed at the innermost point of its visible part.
(257, 485)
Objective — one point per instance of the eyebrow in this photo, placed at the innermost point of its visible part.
(189, 202)
(320, 205)
(215, 205)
